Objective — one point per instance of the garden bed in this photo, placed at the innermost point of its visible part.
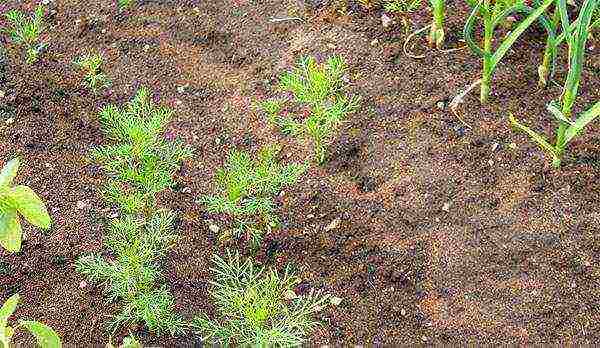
(431, 228)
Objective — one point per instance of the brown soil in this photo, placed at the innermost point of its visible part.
(447, 233)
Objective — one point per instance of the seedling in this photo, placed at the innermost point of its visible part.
(562, 110)
(246, 189)
(15, 201)
(436, 33)
(141, 164)
(26, 31)
(137, 245)
(94, 78)
(402, 8)
(143, 161)
(257, 307)
(124, 4)
(45, 336)
(492, 15)
(553, 43)
(320, 89)
(128, 342)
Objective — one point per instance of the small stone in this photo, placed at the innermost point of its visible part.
(213, 228)
(440, 105)
(113, 215)
(81, 205)
(334, 300)
(146, 48)
(403, 311)
(331, 46)
(374, 42)
(2, 94)
(333, 224)
(424, 338)
(446, 207)
(310, 216)
(386, 21)
(491, 162)
(495, 146)
(82, 284)
(181, 89)
(186, 190)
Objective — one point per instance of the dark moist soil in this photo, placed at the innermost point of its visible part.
(450, 230)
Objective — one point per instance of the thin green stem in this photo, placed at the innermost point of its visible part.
(487, 51)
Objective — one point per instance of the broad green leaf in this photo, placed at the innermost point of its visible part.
(30, 205)
(10, 230)
(8, 308)
(46, 337)
(8, 173)
(542, 142)
(514, 35)
(583, 120)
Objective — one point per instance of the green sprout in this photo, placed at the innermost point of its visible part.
(15, 200)
(94, 78)
(45, 336)
(553, 43)
(143, 161)
(247, 188)
(562, 110)
(436, 33)
(320, 88)
(402, 8)
(124, 4)
(26, 31)
(493, 15)
(257, 307)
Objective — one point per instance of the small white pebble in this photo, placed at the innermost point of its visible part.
(213, 228)
(83, 284)
(10, 120)
(374, 42)
(446, 207)
(81, 205)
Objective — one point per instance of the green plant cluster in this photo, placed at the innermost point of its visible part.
(45, 336)
(15, 201)
(27, 31)
(321, 89)
(257, 307)
(140, 164)
(94, 78)
(246, 188)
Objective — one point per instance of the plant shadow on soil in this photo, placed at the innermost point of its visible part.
(446, 233)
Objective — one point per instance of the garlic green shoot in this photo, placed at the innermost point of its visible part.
(436, 33)
(492, 15)
(562, 110)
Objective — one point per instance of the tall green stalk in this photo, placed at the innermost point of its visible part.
(492, 16)
(576, 35)
(436, 33)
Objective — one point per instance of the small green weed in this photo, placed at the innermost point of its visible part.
(257, 307)
(27, 31)
(246, 189)
(94, 78)
(320, 88)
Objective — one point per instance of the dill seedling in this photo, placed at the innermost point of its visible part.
(247, 187)
(320, 88)
(26, 31)
(94, 78)
(257, 307)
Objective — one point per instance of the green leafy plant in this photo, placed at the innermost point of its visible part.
(402, 6)
(562, 110)
(124, 4)
(94, 78)
(246, 189)
(15, 200)
(436, 33)
(137, 245)
(257, 307)
(45, 336)
(320, 88)
(492, 14)
(140, 165)
(553, 43)
(27, 31)
(143, 160)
